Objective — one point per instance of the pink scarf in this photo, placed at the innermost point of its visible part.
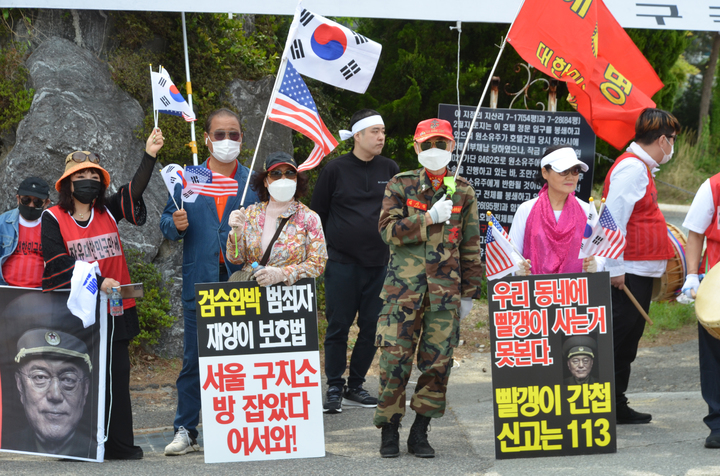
(551, 246)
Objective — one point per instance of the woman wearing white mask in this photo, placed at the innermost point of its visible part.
(279, 223)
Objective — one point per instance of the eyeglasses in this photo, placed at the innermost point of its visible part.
(441, 144)
(221, 135)
(81, 157)
(578, 361)
(276, 174)
(575, 171)
(40, 380)
(37, 202)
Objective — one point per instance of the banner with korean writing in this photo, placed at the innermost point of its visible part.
(260, 373)
(504, 150)
(552, 365)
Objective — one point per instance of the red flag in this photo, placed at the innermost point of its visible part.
(581, 43)
(294, 107)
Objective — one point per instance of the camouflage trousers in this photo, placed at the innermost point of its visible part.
(400, 331)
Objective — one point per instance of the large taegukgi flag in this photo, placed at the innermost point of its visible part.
(581, 43)
(330, 52)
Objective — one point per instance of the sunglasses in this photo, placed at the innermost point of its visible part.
(81, 157)
(276, 174)
(37, 202)
(221, 135)
(441, 144)
(575, 171)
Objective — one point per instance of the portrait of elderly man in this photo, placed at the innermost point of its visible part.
(53, 379)
(580, 355)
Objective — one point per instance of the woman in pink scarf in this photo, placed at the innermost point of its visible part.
(548, 230)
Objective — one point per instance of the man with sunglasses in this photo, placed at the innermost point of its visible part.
(21, 260)
(203, 228)
(631, 196)
(347, 197)
(430, 222)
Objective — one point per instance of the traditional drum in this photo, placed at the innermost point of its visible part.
(667, 287)
(706, 302)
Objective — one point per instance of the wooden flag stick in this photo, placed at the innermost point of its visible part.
(637, 305)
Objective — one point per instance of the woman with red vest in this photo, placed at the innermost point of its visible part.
(83, 227)
(702, 222)
(548, 230)
(631, 195)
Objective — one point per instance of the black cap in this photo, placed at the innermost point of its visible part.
(34, 187)
(278, 158)
(579, 345)
(53, 343)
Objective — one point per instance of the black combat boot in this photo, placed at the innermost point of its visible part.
(390, 445)
(417, 441)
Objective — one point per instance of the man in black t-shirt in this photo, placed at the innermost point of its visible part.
(348, 196)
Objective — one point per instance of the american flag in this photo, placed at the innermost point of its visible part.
(606, 240)
(199, 180)
(498, 251)
(294, 107)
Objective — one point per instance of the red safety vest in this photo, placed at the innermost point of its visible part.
(712, 254)
(647, 235)
(98, 241)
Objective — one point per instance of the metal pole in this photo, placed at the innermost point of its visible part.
(188, 88)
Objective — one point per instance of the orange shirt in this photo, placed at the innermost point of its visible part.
(220, 203)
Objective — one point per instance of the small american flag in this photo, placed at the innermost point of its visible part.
(498, 251)
(295, 108)
(615, 243)
(199, 180)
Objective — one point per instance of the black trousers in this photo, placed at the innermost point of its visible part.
(628, 327)
(709, 348)
(121, 442)
(351, 290)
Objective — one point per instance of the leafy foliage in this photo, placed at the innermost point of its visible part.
(153, 308)
(15, 99)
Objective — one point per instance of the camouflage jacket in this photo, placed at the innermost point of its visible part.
(440, 259)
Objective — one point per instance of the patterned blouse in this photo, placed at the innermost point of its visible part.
(299, 250)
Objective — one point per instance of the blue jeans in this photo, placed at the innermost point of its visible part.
(351, 290)
(188, 382)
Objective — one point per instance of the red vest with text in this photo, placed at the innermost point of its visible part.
(98, 241)
(24, 267)
(712, 254)
(647, 235)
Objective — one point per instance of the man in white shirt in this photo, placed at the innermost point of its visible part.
(631, 197)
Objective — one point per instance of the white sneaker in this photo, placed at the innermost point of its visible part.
(182, 443)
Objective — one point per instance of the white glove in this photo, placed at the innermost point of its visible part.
(590, 265)
(269, 275)
(441, 211)
(523, 268)
(691, 285)
(466, 306)
(237, 218)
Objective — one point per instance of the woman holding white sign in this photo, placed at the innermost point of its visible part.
(548, 230)
(280, 236)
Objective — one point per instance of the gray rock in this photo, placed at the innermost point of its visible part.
(251, 98)
(88, 29)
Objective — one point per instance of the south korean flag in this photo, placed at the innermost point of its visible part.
(330, 52)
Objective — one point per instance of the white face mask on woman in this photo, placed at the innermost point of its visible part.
(434, 159)
(282, 190)
(225, 150)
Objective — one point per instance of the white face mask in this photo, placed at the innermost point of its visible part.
(434, 159)
(225, 150)
(666, 157)
(282, 190)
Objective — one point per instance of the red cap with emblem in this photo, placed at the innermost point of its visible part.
(433, 128)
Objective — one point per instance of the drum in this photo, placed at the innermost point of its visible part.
(667, 287)
(706, 302)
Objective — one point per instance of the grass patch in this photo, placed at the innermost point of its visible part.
(669, 316)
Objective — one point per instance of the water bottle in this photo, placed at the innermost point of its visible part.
(116, 305)
(256, 267)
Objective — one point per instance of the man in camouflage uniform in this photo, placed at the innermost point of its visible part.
(433, 275)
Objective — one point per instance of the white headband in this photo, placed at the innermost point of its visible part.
(361, 125)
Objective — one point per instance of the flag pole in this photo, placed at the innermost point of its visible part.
(155, 111)
(188, 88)
(482, 97)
